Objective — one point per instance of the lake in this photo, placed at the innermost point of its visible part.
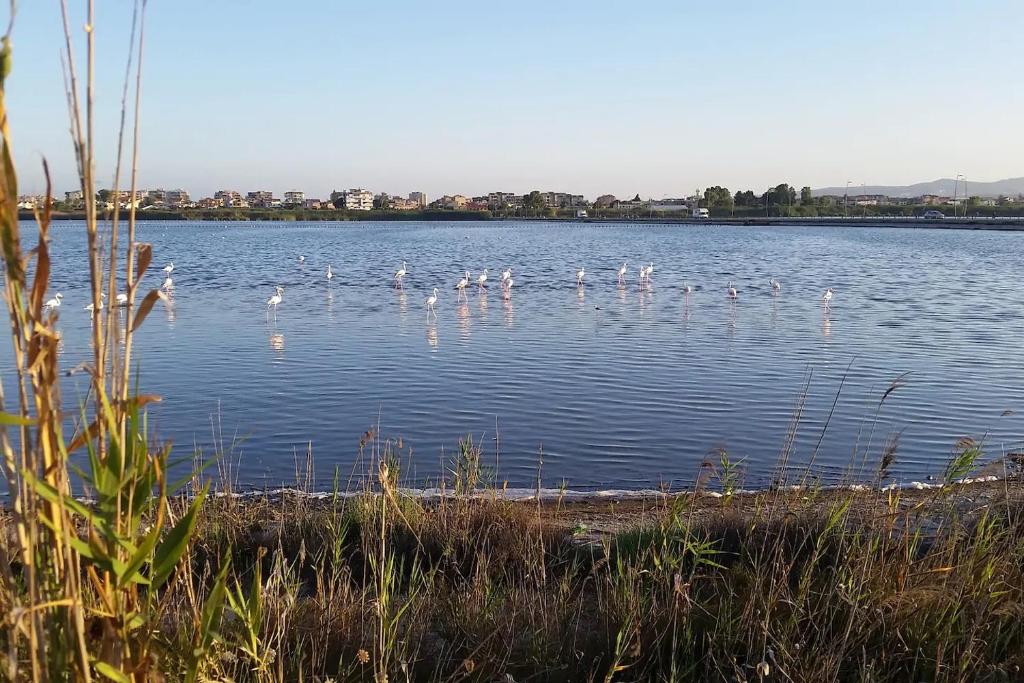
(594, 387)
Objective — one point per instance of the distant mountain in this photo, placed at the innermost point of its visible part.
(942, 186)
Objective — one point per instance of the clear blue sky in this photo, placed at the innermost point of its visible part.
(655, 98)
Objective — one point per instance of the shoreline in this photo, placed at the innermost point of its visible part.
(1005, 223)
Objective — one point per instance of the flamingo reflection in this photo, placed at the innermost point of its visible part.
(277, 343)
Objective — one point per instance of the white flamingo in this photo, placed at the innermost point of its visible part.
(687, 290)
(827, 296)
(731, 291)
(650, 269)
(302, 259)
(399, 274)
(506, 275)
(579, 276)
(622, 273)
(461, 285)
(168, 283)
(776, 285)
(90, 306)
(330, 273)
(122, 299)
(54, 302)
(169, 268)
(273, 301)
(481, 279)
(431, 300)
(507, 291)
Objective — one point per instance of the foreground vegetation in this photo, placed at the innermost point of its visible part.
(112, 570)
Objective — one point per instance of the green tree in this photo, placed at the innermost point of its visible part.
(534, 203)
(745, 198)
(805, 196)
(382, 201)
(718, 200)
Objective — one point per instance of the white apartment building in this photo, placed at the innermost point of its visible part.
(358, 199)
(420, 198)
(294, 198)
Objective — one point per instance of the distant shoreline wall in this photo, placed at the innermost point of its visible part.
(973, 223)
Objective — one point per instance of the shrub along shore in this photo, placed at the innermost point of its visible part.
(793, 583)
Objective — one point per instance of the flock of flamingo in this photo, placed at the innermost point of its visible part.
(121, 299)
(461, 286)
(506, 283)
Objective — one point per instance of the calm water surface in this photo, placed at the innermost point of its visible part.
(617, 387)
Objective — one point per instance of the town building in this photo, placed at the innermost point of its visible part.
(671, 204)
(356, 199)
(420, 198)
(634, 204)
(401, 204)
(562, 200)
(229, 198)
(74, 196)
(504, 200)
(178, 198)
(294, 198)
(263, 199)
(456, 202)
(869, 199)
(315, 204)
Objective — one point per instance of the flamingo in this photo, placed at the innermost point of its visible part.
(579, 276)
(776, 285)
(506, 275)
(650, 269)
(273, 301)
(122, 299)
(507, 291)
(687, 290)
(827, 296)
(168, 283)
(399, 274)
(169, 268)
(731, 291)
(90, 307)
(302, 259)
(330, 273)
(461, 286)
(54, 302)
(431, 300)
(481, 279)
(622, 273)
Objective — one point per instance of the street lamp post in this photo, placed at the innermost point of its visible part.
(846, 200)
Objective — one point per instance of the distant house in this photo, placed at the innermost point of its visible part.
(177, 198)
(402, 204)
(633, 204)
(504, 200)
(456, 202)
(356, 199)
(294, 198)
(420, 198)
(669, 205)
(314, 204)
(869, 199)
(933, 200)
(263, 199)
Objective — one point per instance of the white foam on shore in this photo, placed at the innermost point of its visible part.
(559, 494)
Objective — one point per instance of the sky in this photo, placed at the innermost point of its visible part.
(649, 97)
